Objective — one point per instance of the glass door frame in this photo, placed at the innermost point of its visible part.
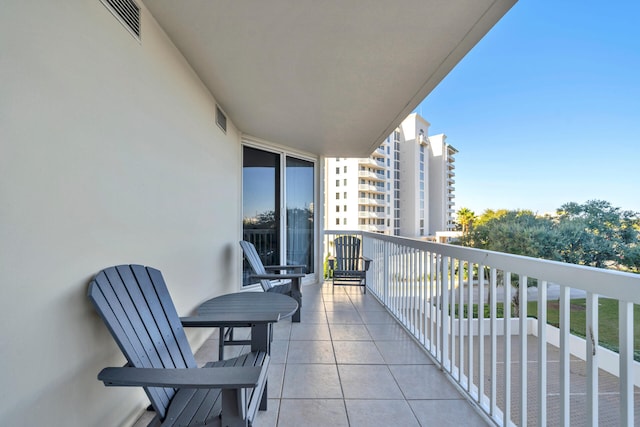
(283, 153)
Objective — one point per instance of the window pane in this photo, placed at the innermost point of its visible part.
(260, 205)
(299, 204)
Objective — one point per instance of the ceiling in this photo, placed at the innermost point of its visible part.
(331, 77)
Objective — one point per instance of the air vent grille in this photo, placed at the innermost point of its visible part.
(221, 119)
(127, 12)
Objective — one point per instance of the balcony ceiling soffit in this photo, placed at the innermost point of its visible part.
(329, 77)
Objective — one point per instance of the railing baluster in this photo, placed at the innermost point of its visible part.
(565, 367)
(444, 310)
(494, 341)
(423, 299)
(452, 315)
(480, 333)
(542, 353)
(433, 302)
(522, 296)
(460, 319)
(470, 331)
(592, 358)
(413, 287)
(506, 310)
(625, 321)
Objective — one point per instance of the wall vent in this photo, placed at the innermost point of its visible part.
(221, 119)
(127, 12)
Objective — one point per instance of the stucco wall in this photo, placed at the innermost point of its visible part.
(109, 154)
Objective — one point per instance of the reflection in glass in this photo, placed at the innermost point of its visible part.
(299, 204)
(260, 205)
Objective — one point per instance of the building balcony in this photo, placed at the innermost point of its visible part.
(379, 153)
(371, 162)
(371, 175)
(371, 188)
(365, 214)
(370, 201)
(374, 228)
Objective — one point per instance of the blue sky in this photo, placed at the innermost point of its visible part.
(545, 110)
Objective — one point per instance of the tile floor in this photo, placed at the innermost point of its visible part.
(348, 363)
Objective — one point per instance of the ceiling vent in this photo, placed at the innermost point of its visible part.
(127, 12)
(221, 119)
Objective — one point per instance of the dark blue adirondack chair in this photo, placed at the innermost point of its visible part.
(135, 304)
(348, 267)
(292, 276)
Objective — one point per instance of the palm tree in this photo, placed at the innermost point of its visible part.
(465, 218)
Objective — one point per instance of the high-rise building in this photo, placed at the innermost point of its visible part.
(405, 188)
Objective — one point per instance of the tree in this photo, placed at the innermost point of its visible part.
(517, 232)
(594, 233)
(597, 234)
(465, 219)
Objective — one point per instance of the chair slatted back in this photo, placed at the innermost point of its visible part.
(135, 304)
(347, 253)
(252, 257)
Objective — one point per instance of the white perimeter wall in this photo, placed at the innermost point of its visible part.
(109, 154)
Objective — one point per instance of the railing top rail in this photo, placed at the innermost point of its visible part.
(609, 283)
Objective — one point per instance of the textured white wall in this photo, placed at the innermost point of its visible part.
(109, 154)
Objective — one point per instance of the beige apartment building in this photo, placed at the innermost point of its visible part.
(404, 188)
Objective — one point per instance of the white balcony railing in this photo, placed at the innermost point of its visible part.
(371, 188)
(371, 201)
(371, 162)
(371, 175)
(426, 286)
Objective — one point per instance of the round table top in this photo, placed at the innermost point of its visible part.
(249, 302)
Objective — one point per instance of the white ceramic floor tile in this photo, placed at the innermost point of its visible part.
(310, 331)
(310, 352)
(403, 352)
(312, 413)
(381, 413)
(368, 382)
(446, 413)
(357, 352)
(311, 381)
(341, 332)
(423, 382)
(346, 317)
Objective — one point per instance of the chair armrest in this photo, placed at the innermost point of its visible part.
(216, 377)
(301, 267)
(332, 263)
(367, 262)
(274, 276)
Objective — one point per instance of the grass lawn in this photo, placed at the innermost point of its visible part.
(607, 320)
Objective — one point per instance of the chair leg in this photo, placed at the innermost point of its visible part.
(296, 294)
(221, 345)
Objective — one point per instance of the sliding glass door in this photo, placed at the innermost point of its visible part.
(274, 183)
(299, 205)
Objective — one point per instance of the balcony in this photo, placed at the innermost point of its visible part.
(371, 201)
(367, 214)
(371, 162)
(348, 362)
(425, 286)
(371, 188)
(374, 228)
(394, 357)
(371, 175)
